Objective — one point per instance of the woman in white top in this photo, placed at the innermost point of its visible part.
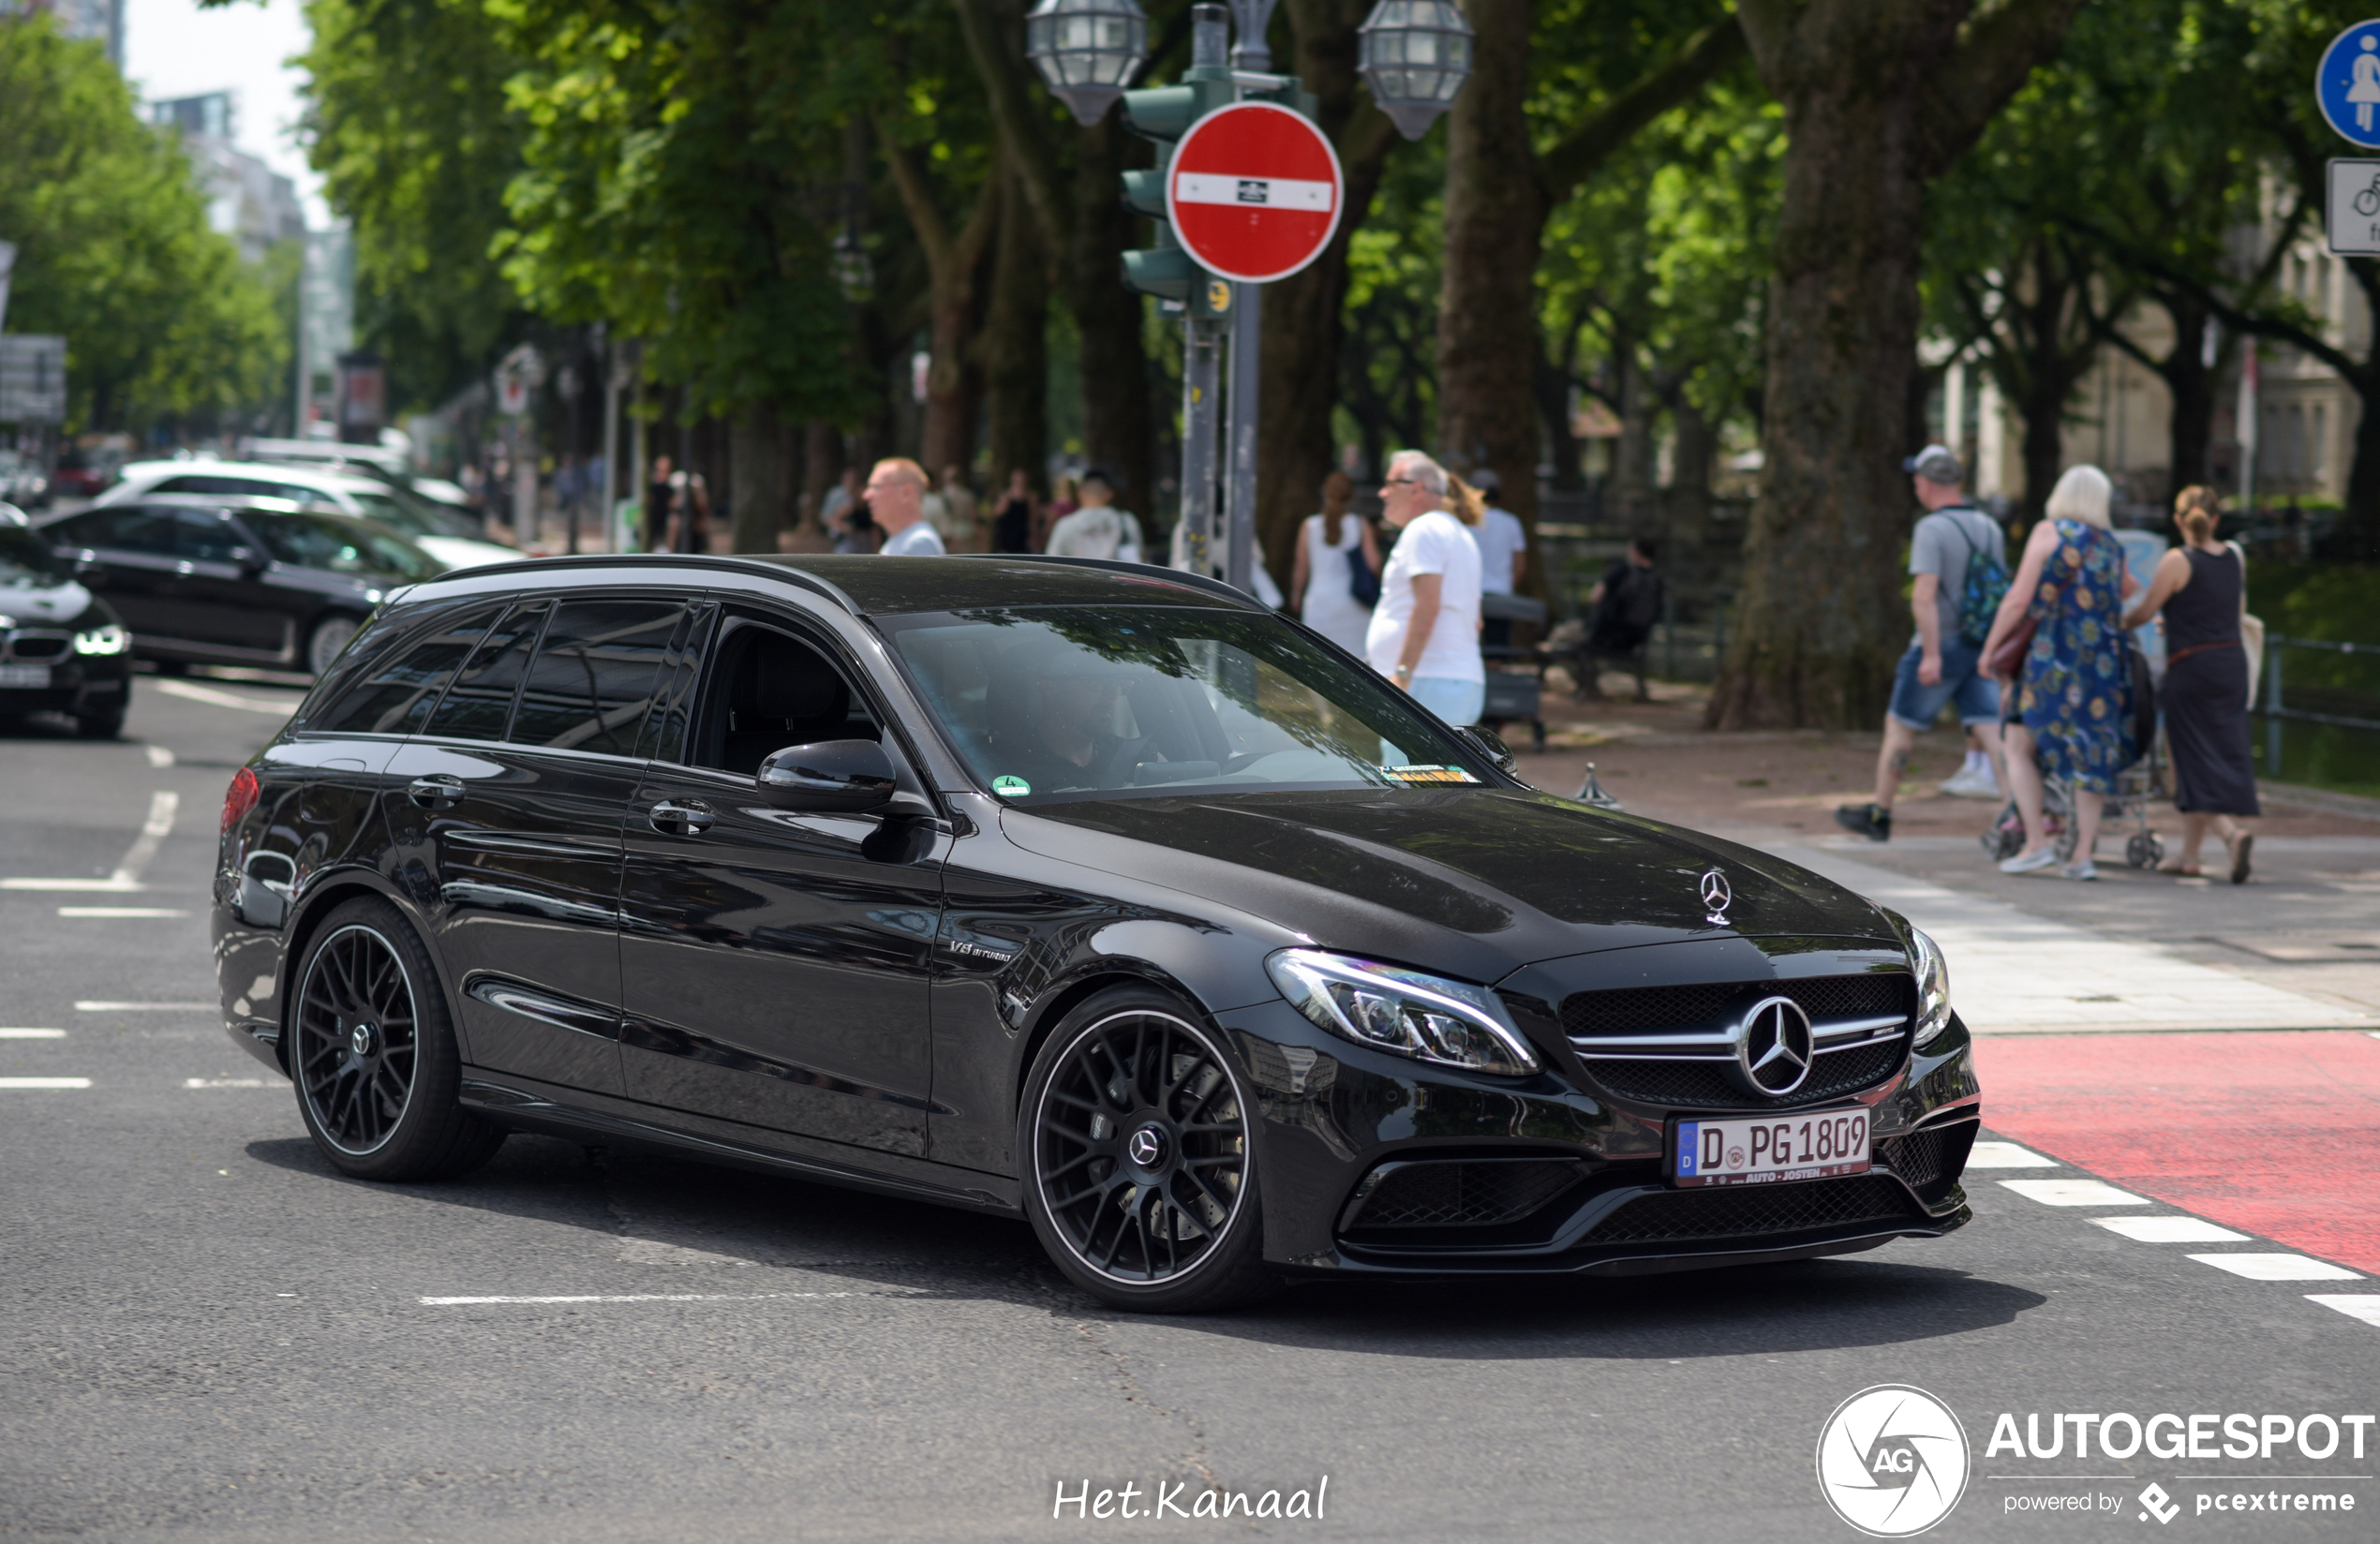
(1329, 546)
(1425, 632)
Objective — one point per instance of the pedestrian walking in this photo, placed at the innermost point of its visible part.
(2201, 589)
(896, 500)
(1959, 559)
(657, 497)
(1425, 632)
(959, 510)
(1063, 501)
(688, 512)
(1012, 522)
(1504, 553)
(1336, 573)
(2066, 692)
(1099, 529)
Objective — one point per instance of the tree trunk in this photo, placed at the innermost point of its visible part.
(1013, 347)
(1554, 408)
(2359, 524)
(953, 266)
(760, 462)
(1878, 99)
(1115, 367)
(821, 467)
(1686, 505)
(1630, 496)
(2189, 383)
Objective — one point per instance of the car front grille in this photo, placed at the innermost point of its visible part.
(1926, 1159)
(36, 646)
(1683, 1216)
(1693, 1078)
(1704, 1085)
(1462, 1194)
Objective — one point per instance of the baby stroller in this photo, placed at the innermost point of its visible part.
(2135, 785)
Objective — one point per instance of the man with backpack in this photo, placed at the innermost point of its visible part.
(1959, 558)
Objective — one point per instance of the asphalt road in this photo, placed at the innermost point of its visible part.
(207, 1334)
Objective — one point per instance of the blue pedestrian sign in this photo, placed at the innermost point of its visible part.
(2348, 83)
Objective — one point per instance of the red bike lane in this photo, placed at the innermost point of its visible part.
(2273, 1132)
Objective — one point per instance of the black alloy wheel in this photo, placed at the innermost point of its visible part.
(1142, 1176)
(373, 1055)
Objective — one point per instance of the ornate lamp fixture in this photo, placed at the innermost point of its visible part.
(1088, 51)
(1415, 54)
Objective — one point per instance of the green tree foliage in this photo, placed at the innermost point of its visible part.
(682, 166)
(411, 132)
(160, 316)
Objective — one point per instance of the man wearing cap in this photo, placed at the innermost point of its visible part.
(896, 495)
(1940, 666)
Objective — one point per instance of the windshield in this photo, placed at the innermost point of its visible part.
(1071, 702)
(26, 562)
(311, 541)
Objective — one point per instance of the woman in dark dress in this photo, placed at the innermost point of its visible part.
(2201, 588)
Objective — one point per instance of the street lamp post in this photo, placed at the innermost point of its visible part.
(1415, 55)
(1088, 51)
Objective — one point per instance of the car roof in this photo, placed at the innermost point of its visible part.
(241, 501)
(889, 587)
(263, 471)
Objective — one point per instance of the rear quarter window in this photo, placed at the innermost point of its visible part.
(391, 677)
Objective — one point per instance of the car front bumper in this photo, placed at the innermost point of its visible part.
(79, 684)
(1375, 1165)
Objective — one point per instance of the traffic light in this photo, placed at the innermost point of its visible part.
(1163, 114)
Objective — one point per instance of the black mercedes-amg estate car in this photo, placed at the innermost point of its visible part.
(1088, 892)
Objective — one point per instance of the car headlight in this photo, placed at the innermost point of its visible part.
(1933, 988)
(1408, 1012)
(107, 639)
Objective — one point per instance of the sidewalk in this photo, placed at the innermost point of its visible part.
(2297, 948)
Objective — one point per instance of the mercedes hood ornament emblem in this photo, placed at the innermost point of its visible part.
(1717, 895)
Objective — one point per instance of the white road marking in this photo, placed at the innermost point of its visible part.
(163, 805)
(2007, 1155)
(2074, 1193)
(2279, 1267)
(45, 1083)
(2356, 1305)
(637, 1298)
(236, 1082)
(101, 1005)
(192, 691)
(161, 756)
(2171, 1230)
(32, 1035)
(120, 912)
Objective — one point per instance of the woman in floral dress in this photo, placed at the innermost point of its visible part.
(2070, 716)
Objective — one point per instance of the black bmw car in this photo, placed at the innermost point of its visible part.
(62, 648)
(1085, 892)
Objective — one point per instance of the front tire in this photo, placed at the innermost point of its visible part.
(373, 1055)
(99, 726)
(1135, 1136)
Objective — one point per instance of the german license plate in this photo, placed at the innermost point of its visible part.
(25, 678)
(1772, 1150)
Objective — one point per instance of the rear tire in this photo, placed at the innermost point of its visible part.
(1136, 1140)
(331, 635)
(372, 1052)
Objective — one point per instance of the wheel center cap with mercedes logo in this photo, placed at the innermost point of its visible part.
(1716, 896)
(1146, 1147)
(1775, 1046)
(360, 1039)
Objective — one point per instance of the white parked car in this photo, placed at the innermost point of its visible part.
(451, 537)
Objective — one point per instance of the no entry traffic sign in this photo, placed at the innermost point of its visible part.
(1254, 193)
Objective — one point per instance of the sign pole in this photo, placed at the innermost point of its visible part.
(1201, 340)
(1247, 330)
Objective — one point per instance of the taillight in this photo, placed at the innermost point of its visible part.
(239, 798)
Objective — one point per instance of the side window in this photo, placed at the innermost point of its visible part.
(595, 674)
(677, 694)
(392, 688)
(205, 483)
(479, 706)
(769, 689)
(128, 530)
(205, 536)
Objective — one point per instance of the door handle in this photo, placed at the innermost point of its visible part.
(681, 817)
(439, 792)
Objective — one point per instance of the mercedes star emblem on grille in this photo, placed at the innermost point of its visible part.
(1775, 1046)
(1717, 893)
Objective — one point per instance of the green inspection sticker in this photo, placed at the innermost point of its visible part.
(1011, 788)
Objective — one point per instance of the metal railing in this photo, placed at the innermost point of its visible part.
(2272, 701)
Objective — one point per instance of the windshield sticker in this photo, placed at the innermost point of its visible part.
(1427, 774)
(1011, 788)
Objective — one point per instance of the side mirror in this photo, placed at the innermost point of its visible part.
(251, 562)
(1491, 745)
(843, 777)
(88, 568)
